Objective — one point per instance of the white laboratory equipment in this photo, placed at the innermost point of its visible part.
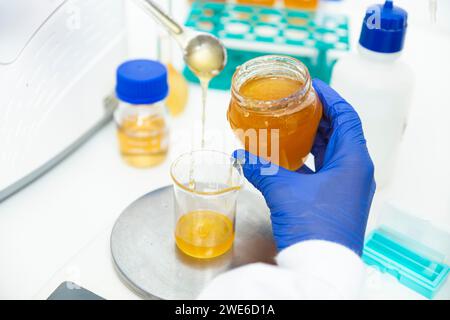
(440, 11)
(379, 85)
(57, 64)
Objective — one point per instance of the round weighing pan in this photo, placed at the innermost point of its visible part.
(148, 261)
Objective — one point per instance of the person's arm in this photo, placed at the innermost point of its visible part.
(318, 218)
(308, 270)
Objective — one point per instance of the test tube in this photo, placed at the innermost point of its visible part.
(258, 2)
(433, 10)
(178, 88)
(302, 4)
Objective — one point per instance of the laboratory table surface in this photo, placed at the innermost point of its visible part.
(58, 228)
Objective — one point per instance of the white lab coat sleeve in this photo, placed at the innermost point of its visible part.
(312, 269)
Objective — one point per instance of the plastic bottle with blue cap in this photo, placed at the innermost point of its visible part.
(141, 118)
(379, 84)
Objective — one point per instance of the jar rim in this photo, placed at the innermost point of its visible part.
(275, 104)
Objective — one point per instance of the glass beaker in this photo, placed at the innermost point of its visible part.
(274, 109)
(206, 185)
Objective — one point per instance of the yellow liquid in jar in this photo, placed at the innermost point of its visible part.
(270, 88)
(297, 125)
(143, 142)
(204, 234)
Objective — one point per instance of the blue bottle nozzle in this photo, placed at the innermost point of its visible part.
(384, 28)
(389, 4)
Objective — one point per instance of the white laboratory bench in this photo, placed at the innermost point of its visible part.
(58, 228)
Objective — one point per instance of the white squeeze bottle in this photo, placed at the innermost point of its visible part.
(379, 85)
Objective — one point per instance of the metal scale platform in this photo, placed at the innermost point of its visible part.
(148, 261)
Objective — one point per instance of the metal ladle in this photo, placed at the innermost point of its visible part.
(203, 45)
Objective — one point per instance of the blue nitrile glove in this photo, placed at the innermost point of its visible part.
(332, 203)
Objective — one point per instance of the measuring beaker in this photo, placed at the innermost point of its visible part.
(206, 185)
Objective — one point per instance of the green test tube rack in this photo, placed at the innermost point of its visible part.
(317, 39)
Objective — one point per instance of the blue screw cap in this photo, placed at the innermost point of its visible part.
(384, 28)
(142, 82)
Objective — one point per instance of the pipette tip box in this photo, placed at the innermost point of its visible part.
(316, 38)
(408, 261)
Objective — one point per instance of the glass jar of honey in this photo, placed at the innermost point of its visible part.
(274, 109)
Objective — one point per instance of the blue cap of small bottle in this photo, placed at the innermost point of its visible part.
(142, 82)
(384, 28)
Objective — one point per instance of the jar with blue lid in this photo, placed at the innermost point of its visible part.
(141, 118)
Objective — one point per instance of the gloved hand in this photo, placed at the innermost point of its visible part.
(332, 203)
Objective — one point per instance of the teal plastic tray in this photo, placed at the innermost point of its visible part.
(397, 255)
(235, 59)
(251, 31)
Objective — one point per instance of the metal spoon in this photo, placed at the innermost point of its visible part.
(205, 55)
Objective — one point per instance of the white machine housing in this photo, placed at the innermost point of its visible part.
(57, 65)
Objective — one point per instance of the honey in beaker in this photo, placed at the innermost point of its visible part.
(273, 95)
(204, 234)
(143, 141)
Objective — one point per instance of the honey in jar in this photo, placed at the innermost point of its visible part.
(274, 110)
